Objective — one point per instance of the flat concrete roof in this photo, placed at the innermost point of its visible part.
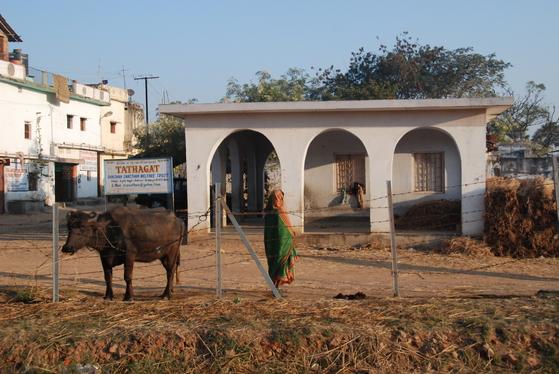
(492, 105)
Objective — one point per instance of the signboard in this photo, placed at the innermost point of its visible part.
(138, 175)
(17, 177)
(89, 160)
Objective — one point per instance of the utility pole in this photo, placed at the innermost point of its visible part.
(146, 86)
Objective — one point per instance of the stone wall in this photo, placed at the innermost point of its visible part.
(519, 167)
(25, 206)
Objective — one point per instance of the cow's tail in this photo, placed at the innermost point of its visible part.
(177, 268)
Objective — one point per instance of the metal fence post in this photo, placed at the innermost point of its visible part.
(218, 214)
(55, 237)
(250, 249)
(393, 240)
(556, 183)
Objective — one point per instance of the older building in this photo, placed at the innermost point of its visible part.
(56, 133)
(51, 138)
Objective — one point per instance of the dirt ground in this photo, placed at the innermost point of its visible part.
(321, 273)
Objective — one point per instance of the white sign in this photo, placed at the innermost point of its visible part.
(89, 160)
(17, 177)
(138, 175)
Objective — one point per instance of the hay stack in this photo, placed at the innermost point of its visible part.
(520, 217)
(438, 215)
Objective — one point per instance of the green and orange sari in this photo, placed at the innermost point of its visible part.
(279, 241)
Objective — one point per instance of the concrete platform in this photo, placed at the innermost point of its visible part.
(326, 232)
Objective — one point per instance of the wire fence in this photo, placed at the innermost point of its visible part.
(28, 256)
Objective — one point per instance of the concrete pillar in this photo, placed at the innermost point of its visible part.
(472, 157)
(236, 155)
(251, 179)
(292, 159)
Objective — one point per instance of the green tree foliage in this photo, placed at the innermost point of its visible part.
(546, 138)
(409, 70)
(292, 86)
(528, 110)
(412, 71)
(164, 138)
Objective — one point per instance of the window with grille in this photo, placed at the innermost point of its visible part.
(27, 130)
(429, 172)
(113, 127)
(69, 121)
(82, 124)
(350, 168)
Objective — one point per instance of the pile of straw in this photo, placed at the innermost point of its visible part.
(464, 245)
(521, 218)
(439, 215)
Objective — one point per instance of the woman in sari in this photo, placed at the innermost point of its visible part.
(279, 241)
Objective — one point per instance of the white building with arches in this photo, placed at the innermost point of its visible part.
(427, 149)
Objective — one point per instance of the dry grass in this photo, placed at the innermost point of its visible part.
(376, 246)
(521, 218)
(282, 336)
(464, 245)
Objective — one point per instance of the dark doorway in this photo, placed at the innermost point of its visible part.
(2, 192)
(64, 182)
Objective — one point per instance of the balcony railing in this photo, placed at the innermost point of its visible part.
(41, 77)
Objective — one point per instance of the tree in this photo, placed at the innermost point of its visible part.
(292, 86)
(546, 138)
(528, 110)
(412, 71)
(164, 138)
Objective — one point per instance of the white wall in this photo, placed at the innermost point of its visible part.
(19, 106)
(114, 142)
(61, 134)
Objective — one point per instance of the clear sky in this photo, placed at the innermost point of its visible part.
(194, 47)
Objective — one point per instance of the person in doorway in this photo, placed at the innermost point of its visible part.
(279, 241)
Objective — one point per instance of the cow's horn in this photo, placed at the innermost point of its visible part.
(93, 216)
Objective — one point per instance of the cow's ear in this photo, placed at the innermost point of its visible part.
(103, 223)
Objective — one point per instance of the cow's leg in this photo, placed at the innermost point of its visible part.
(128, 269)
(170, 263)
(108, 272)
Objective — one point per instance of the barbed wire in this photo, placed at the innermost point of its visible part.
(98, 272)
(202, 217)
(381, 262)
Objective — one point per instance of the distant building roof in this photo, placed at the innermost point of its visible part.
(7, 30)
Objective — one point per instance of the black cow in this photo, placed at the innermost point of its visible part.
(124, 235)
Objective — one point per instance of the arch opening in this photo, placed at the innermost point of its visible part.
(242, 164)
(427, 170)
(335, 184)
